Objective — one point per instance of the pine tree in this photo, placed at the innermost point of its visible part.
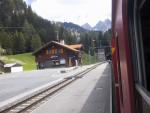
(107, 38)
(6, 11)
(100, 36)
(19, 43)
(28, 31)
(35, 42)
(5, 41)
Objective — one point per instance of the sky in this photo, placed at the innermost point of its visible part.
(76, 11)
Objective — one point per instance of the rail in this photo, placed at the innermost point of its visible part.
(26, 105)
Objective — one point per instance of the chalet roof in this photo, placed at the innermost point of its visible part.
(12, 65)
(57, 43)
(76, 46)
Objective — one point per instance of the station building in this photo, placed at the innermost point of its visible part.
(58, 54)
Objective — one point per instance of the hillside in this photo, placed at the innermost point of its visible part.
(27, 60)
(23, 31)
(73, 27)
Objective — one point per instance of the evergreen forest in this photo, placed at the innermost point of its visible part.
(22, 30)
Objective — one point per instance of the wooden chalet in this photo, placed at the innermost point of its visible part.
(58, 54)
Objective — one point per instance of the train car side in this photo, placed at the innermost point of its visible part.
(124, 84)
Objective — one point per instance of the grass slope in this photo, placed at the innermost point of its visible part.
(88, 59)
(26, 59)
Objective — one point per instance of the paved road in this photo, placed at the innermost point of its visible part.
(17, 83)
(90, 94)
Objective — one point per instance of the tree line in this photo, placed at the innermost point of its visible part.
(93, 40)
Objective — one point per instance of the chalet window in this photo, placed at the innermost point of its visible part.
(59, 51)
(53, 52)
(46, 52)
(49, 51)
(62, 51)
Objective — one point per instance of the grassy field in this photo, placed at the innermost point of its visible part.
(27, 60)
(89, 59)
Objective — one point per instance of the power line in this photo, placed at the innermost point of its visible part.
(11, 27)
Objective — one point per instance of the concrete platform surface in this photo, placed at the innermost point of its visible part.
(89, 94)
(12, 85)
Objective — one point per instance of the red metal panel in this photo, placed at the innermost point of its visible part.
(114, 63)
(120, 30)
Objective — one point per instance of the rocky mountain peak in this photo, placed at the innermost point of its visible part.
(87, 26)
(100, 26)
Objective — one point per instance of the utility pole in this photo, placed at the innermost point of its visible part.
(57, 37)
(100, 44)
(94, 50)
(93, 47)
(89, 55)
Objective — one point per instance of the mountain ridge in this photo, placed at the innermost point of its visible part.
(100, 26)
(73, 27)
(86, 26)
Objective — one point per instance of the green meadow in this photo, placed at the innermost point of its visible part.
(26, 59)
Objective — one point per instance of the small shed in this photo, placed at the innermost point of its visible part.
(13, 67)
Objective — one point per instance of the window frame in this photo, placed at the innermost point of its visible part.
(140, 67)
(137, 53)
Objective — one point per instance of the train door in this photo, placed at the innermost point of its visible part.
(139, 34)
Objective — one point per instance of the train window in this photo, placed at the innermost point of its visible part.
(139, 37)
(145, 32)
(141, 42)
(136, 39)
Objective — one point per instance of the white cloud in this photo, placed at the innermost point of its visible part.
(77, 11)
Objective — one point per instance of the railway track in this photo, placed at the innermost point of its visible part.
(32, 102)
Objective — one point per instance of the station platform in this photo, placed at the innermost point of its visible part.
(14, 85)
(89, 94)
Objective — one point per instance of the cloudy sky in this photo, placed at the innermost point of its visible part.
(76, 11)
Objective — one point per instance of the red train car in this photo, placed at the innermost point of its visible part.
(131, 55)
